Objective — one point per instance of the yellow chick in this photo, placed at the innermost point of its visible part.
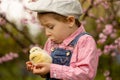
(38, 55)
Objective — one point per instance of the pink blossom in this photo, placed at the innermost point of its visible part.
(114, 23)
(117, 42)
(107, 73)
(97, 21)
(97, 2)
(2, 21)
(101, 41)
(32, 0)
(14, 55)
(83, 22)
(108, 78)
(24, 21)
(101, 35)
(112, 47)
(84, 10)
(106, 49)
(91, 15)
(3, 59)
(8, 57)
(101, 19)
(105, 4)
(113, 54)
(108, 29)
(99, 26)
(102, 38)
(111, 17)
(6, 35)
(114, 30)
(33, 20)
(109, 48)
(113, 35)
(99, 52)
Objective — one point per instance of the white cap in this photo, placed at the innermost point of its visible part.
(63, 7)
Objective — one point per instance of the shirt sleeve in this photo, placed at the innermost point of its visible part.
(83, 64)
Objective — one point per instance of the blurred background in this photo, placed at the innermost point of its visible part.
(20, 30)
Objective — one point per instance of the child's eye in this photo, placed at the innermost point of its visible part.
(51, 27)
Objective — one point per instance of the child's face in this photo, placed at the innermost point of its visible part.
(55, 30)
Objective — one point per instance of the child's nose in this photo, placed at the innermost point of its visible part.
(47, 32)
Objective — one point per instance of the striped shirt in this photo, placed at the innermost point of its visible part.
(84, 60)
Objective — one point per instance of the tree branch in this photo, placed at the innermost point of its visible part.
(13, 37)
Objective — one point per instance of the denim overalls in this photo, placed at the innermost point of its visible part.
(61, 56)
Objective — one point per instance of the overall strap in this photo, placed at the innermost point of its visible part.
(73, 43)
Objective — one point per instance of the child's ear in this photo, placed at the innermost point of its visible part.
(71, 20)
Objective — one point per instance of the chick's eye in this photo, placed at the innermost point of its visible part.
(33, 51)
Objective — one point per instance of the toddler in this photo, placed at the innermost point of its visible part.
(73, 50)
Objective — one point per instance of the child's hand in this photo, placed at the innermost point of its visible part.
(41, 69)
(29, 66)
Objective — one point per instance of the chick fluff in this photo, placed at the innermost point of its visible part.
(38, 55)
